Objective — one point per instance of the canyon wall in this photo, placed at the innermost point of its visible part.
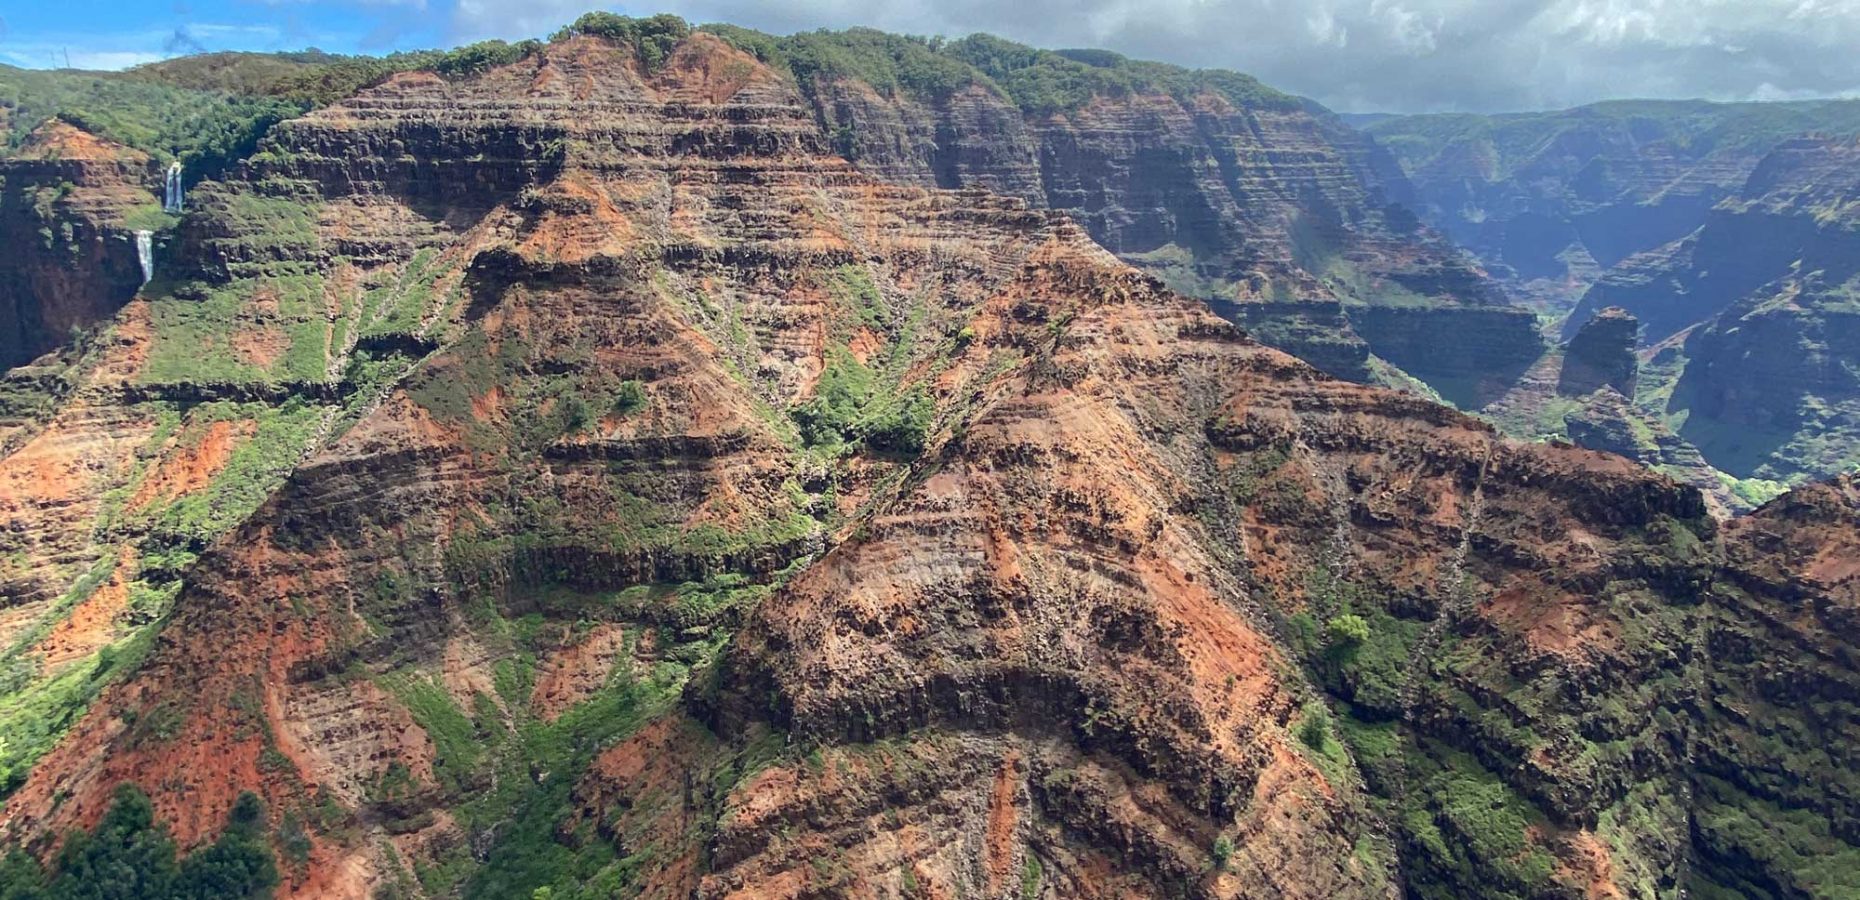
(576, 474)
(1264, 204)
(1758, 305)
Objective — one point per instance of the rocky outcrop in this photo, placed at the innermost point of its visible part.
(1602, 355)
(71, 260)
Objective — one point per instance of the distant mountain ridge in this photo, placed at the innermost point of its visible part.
(1549, 200)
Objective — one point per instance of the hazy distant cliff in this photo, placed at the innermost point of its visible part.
(1550, 200)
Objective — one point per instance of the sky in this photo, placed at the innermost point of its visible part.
(1352, 55)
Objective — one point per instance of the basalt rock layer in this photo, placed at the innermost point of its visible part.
(1272, 204)
(1601, 355)
(682, 511)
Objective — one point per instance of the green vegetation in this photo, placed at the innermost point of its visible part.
(206, 130)
(1031, 875)
(35, 711)
(1038, 81)
(253, 469)
(652, 38)
(1468, 832)
(1361, 652)
(534, 851)
(213, 339)
(629, 398)
(233, 72)
(1347, 630)
(1314, 728)
(851, 408)
(337, 77)
(1044, 81)
(456, 750)
(1752, 843)
(1222, 851)
(892, 64)
(131, 857)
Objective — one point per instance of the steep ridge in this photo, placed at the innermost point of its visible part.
(69, 197)
(689, 513)
(1550, 201)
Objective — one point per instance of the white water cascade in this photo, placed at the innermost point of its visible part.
(171, 189)
(145, 254)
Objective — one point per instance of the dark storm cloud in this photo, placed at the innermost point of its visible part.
(1408, 55)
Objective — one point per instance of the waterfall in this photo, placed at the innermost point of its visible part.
(171, 189)
(145, 253)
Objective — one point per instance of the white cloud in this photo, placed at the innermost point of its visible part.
(42, 56)
(122, 49)
(1364, 54)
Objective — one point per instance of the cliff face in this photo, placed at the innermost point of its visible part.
(72, 261)
(1550, 201)
(1770, 388)
(601, 485)
(1775, 794)
(1277, 208)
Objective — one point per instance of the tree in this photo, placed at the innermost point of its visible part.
(239, 864)
(1347, 630)
(131, 857)
(127, 857)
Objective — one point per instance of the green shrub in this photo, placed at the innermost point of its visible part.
(1347, 630)
(652, 38)
(1314, 728)
(903, 427)
(1222, 852)
(629, 398)
(1031, 874)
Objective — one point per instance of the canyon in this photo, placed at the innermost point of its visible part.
(674, 462)
(1724, 230)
